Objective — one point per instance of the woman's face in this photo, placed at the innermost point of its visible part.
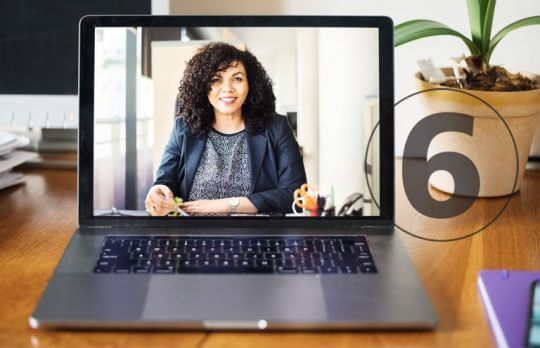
(229, 89)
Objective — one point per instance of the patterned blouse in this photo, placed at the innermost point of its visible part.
(223, 169)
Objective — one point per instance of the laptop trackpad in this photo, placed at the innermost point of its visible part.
(234, 297)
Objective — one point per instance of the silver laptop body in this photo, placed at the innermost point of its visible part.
(77, 297)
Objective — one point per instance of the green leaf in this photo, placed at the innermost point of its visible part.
(504, 31)
(421, 28)
(481, 20)
(475, 11)
(486, 27)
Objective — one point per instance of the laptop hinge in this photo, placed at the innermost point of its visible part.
(380, 226)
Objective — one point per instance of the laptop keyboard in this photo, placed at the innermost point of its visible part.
(281, 255)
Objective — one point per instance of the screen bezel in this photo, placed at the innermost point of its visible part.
(385, 28)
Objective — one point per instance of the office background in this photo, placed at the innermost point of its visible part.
(516, 51)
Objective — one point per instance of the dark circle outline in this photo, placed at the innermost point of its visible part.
(515, 177)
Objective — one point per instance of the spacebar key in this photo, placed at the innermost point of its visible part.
(258, 269)
(206, 270)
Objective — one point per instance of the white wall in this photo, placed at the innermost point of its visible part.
(518, 51)
(346, 72)
(22, 111)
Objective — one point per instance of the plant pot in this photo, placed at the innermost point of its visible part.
(490, 147)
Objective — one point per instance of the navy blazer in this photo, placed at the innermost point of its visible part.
(275, 164)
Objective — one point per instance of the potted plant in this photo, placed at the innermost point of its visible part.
(515, 96)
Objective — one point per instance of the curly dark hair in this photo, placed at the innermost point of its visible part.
(192, 102)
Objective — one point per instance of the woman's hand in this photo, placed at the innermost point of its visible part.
(159, 201)
(218, 206)
(206, 206)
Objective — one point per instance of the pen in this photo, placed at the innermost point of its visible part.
(182, 212)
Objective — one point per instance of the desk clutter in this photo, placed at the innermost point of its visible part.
(10, 158)
(53, 148)
(308, 202)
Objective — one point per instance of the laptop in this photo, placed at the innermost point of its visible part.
(335, 264)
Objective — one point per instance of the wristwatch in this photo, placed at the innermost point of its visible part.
(234, 202)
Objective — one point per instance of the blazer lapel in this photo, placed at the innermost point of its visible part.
(256, 144)
(194, 148)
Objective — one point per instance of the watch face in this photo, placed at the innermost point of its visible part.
(234, 202)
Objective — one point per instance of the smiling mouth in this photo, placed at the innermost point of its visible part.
(227, 100)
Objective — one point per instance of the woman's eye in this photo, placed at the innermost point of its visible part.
(238, 79)
(216, 80)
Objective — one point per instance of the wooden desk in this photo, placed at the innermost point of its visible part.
(37, 220)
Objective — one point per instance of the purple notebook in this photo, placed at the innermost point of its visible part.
(506, 296)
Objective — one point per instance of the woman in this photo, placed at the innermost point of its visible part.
(228, 152)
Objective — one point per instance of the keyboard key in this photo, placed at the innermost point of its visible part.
(259, 242)
(363, 257)
(139, 269)
(164, 269)
(294, 242)
(236, 256)
(197, 256)
(253, 256)
(208, 263)
(287, 256)
(138, 249)
(173, 249)
(258, 269)
(368, 269)
(131, 242)
(306, 249)
(273, 256)
(178, 256)
(280, 243)
(224, 263)
(121, 269)
(250, 249)
(213, 249)
(167, 243)
(287, 270)
(305, 263)
(329, 269)
(193, 249)
(189, 269)
(285, 263)
(144, 262)
(309, 270)
(189, 263)
(263, 263)
(348, 269)
(165, 263)
(141, 255)
(113, 256)
(244, 263)
(103, 269)
(289, 250)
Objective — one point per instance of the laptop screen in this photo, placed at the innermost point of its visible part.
(195, 122)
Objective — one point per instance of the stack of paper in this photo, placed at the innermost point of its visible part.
(10, 158)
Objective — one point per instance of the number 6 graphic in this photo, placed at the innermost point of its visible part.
(416, 172)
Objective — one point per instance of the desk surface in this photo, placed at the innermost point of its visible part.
(38, 219)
